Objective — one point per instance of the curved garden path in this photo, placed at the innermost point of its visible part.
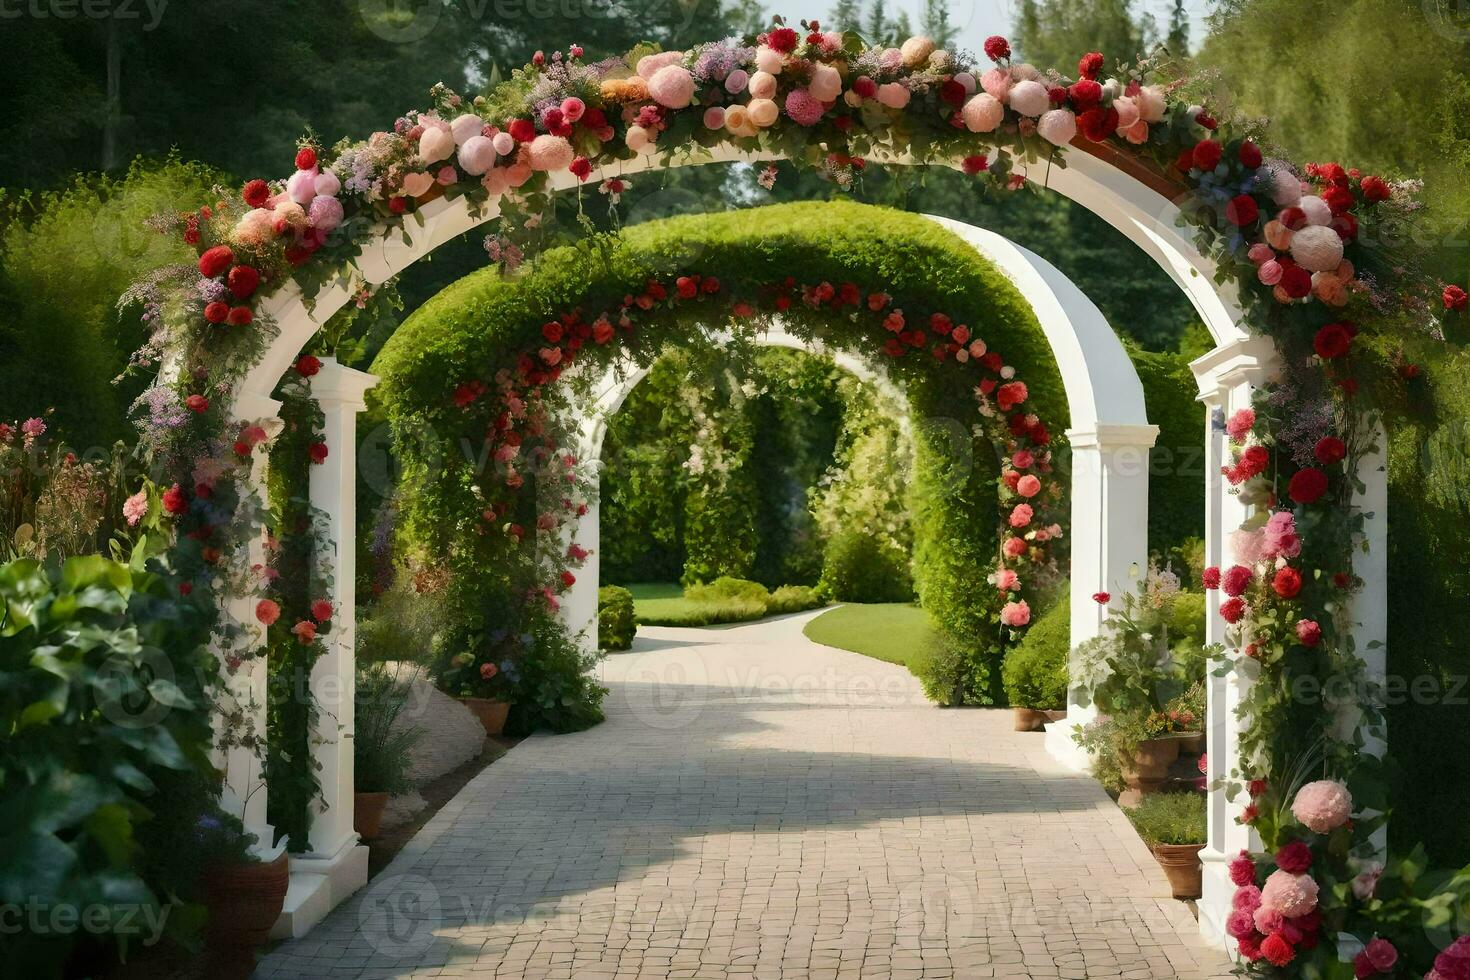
(758, 805)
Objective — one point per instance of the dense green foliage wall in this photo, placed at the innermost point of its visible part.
(1176, 484)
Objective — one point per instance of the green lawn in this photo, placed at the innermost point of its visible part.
(897, 632)
(662, 603)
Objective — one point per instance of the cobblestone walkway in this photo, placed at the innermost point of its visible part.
(760, 806)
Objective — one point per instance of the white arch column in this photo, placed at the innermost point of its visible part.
(337, 863)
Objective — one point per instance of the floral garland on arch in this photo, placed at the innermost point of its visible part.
(514, 414)
(1306, 248)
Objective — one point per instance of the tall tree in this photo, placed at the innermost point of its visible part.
(846, 15)
(1177, 40)
(936, 24)
(878, 29)
(1055, 33)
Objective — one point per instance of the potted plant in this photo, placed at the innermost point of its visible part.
(242, 895)
(381, 747)
(484, 677)
(1128, 755)
(1035, 671)
(1173, 826)
(1187, 715)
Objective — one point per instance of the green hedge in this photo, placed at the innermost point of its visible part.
(616, 623)
(1176, 485)
(1035, 671)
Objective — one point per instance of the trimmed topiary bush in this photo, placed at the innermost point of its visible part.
(616, 623)
(1035, 670)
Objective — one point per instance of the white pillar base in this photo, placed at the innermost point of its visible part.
(1216, 896)
(1061, 747)
(319, 885)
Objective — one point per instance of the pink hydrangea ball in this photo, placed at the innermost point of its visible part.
(1057, 127)
(301, 188)
(326, 213)
(825, 84)
(997, 81)
(803, 108)
(672, 86)
(649, 64)
(477, 155)
(714, 117)
(894, 95)
(257, 227)
(550, 153)
(1015, 614)
(327, 183)
(769, 60)
(763, 112)
(1323, 806)
(736, 81)
(1318, 211)
(762, 85)
(435, 144)
(464, 127)
(1317, 248)
(1291, 895)
(983, 113)
(1151, 103)
(1029, 98)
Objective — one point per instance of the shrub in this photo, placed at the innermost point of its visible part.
(400, 625)
(1170, 818)
(859, 567)
(380, 750)
(949, 672)
(105, 689)
(616, 623)
(1035, 670)
(794, 598)
(553, 687)
(729, 589)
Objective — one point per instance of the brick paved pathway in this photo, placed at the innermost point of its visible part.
(760, 806)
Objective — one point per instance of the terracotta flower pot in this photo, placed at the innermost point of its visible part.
(1056, 714)
(492, 714)
(367, 813)
(1029, 719)
(1191, 743)
(1150, 767)
(1181, 865)
(243, 902)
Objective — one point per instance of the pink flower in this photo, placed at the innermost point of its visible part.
(1014, 547)
(1295, 857)
(1290, 894)
(267, 612)
(1240, 924)
(305, 631)
(1246, 897)
(1309, 632)
(1021, 515)
(1366, 883)
(488, 671)
(1323, 806)
(33, 428)
(1028, 486)
(1279, 538)
(803, 107)
(1007, 580)
(1242, 869)
(1240, 424)
(1379, 956)
(135, 507)
(1015, 614)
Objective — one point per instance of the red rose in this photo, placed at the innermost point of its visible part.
(1294, 218)
(215, 261)
(185, 588)
(1332, 341)
(1345, 225)
(865, 87)
(1250, 155)
(305, 631)
(1277, 951)
(1242, 211)
(602, 332)
(308, 365)
(1085, 93)
(522, 130)
(318, 452)
(1102, 598)
(321, 610)
(1232, 610)
(976, 163)
(581, 167)
(997, 47)
(174, 500)
(1211, 577)
(1287, 583)
(1308, 632)
(1375, 189)
(1206, 155)
(1250, 946)
(256, 193)
(1329, 450)
(952, 93)
(240, 316)
(242, 281)
(1254, 460)
(710, 285)
(1185, 161)
(1339, 199)
(197, 404)
(687, 287)
(783, 39)
(1097, 123)
(1455, 298)
(1307, 486)
(1294, 858)
(1090, 64)
(568, 579)
(552, 331)
(305, 158)
(1296, 281)
(217, 312)
(397, 205)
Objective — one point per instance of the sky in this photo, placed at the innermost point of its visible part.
(978, 19)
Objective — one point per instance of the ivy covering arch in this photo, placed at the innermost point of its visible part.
(1317, 331)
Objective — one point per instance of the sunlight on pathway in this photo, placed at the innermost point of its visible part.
(758, 805)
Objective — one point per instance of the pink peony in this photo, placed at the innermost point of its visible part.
(1057, 127)
(714, 117)
(550, 153)
(135, 507)
(1454, 962)
(326, 213)
(803, 108)
(1014, 547)
(1246, 897)
(1015, 614)
(1290, 894)
(1246, 544)
(1242, 869)
(1021, 515)
(1379, 956)
(1279, 539)
(1323, 806)
(1240, 924)
(1007, 580)
(1028, 486)
(1240, 424)
(983, 113)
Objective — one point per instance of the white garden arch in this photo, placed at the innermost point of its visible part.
(1127, 199)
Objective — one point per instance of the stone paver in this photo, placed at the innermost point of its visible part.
(760, 806)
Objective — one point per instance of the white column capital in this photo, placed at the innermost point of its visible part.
(1251, 360)
(338, 384)
(253, 406)
(1114, 435)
